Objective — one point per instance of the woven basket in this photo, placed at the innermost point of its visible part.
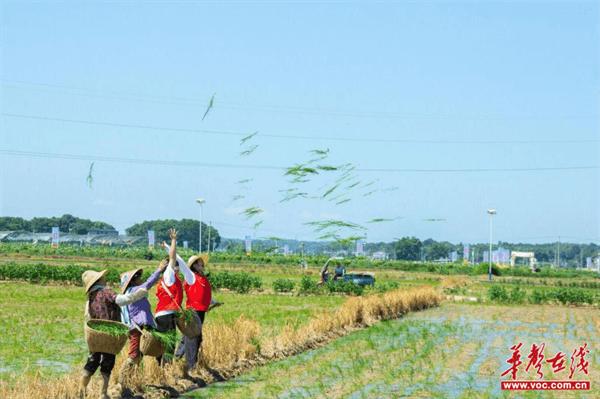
(191, 328)
(99, 341)
(150, 345)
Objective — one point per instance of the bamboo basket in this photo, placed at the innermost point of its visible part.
(99, 341)
(190, 328)
(150, 345)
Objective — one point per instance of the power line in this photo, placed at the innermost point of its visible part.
(293, 137)
(100, 158)
(269, 108)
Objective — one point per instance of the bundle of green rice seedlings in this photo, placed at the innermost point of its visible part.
(167, 339)
(106, 336)
(114, 330)
(186, 314)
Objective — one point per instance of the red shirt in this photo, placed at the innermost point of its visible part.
(198, 294)
(164, 299)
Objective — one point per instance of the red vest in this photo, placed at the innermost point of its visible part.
(198, 294)
(164, 300)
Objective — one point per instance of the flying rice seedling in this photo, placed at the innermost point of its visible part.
(249, 151)
(252, 211)
(327, 168)
(211, 103)
(343, 201)
(243, 140)
(300, 170)
(321, 225)
(381, 220)
(332, 189)
(90, 177)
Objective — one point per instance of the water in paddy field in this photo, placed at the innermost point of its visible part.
(455, 351)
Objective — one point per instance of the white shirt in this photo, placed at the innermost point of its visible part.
(188, 274)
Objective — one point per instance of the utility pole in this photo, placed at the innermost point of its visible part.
(558, 252)
(200, 201)
(490, 212)
(209, 229)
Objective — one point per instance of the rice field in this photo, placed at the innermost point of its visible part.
(42, 326)
(454, 351)
(230, 349)
(268, 344)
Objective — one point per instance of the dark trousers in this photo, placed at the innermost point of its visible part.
(191, 346)
(105, 361)
(166, 323)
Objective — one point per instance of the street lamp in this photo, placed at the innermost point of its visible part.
(200, 201)
(490, 212)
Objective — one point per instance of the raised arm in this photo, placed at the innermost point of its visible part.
(169, 274)
(154, 277)
(189, 276)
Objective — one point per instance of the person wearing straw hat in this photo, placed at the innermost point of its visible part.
(199, 298)
(138, 314)
(102, 303)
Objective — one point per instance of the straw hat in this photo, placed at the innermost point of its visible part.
(90, 277)
(126, 278)
(194, 258)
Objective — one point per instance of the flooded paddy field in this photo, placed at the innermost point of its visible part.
(454, 351)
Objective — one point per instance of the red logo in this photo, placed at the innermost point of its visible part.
(536, 359)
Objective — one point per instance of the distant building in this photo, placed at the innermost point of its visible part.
(379, 255)
(102, 232)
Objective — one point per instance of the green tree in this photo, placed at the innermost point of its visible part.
(408, 248)
(187, 231)
(67, 224)
(8, 223)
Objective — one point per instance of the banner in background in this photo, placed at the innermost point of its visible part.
(248, 242)
(55, 237)
(150, 238)
(185, 244)
(360, 247)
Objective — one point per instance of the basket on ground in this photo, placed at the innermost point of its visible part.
(189, 324)
(105, 336)
(150, 345)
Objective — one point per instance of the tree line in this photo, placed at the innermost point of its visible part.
(187, 228)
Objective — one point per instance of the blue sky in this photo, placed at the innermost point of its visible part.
(454, 75)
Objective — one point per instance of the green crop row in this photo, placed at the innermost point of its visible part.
(283, 285)
(566, 296)
(41, 273)
(257, 258)
(236, 281)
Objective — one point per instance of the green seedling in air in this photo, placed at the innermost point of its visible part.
(257, 224)
(90, 177)
(249, 150)
(300, 170)
(321, 225)
(209, 107)
(243, 140)
(252, 211)
(332, 189)
(320, 152)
